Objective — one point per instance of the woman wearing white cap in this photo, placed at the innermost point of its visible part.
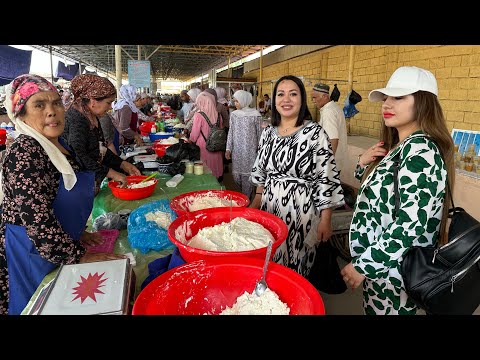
(415, 133)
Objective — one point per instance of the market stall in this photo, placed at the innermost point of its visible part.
(105, 202)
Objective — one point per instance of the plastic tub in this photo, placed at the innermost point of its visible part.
(160, 149)
(3, 136)
(190, 223)
(158, 136)
(132, 194)
(146, 127)
(179, 203)
(208, 287)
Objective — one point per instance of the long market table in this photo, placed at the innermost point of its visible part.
(105, 202)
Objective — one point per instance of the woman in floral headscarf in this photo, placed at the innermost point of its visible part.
(47, 196)
(93, 98)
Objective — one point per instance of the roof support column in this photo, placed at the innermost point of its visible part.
(260, 91)
(51, 64)
(350, 79)
(118, 68)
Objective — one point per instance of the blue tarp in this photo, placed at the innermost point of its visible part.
(67, 72)
(13, 62)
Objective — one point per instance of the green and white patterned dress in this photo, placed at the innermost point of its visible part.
(377, 241)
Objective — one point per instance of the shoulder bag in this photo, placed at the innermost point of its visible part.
(444, 280)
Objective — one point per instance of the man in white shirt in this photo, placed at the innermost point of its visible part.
(332, 120)
(186, 107)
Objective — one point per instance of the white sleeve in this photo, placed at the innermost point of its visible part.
(330, 124)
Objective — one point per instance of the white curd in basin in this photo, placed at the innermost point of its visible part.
(250, 304)
(238, 235)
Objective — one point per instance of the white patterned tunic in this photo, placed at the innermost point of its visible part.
(378, 242)
(300, 179)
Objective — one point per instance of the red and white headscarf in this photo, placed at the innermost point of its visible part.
(22, 88)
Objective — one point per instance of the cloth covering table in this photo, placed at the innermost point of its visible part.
(105, 202)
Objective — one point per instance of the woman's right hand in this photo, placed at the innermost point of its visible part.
(228, 154)
(94, 257)
(118, 177)
(371, 154)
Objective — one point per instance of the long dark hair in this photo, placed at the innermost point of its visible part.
(304, 113)
(427, 111)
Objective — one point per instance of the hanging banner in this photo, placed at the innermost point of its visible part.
(139, 73)
(13, 62)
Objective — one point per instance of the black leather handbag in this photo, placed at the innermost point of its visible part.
(445, 280)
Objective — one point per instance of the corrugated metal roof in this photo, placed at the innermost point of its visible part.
(168, 62)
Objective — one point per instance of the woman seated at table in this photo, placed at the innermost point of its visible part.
(47, 195)
(93, 98)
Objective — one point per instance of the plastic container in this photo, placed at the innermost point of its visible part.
(180, 203)
(189, 167)
(146, 127)
(159, 136)
(191, 223)
(175, 180)
(198, 168)
(208, 287)
(132, 194)
(160, 149)
(3, 136)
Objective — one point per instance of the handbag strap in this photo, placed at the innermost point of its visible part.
(396, 163)
(209, 124)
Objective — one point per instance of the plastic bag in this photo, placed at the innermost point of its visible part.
(354, 97)
(171, 168)
(183, 150)
(110, 220)
(147, 235)
(325, 272)
(349, 109)
(335, 95)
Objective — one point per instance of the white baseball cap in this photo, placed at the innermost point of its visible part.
(406, 80)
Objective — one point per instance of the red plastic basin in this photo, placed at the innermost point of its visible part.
(179, 203)
(132, 194)
(190, 223)
(208, 287)
(3, 136)
(160, 149)
(146, 127)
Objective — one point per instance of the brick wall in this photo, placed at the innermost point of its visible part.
(456, 67)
